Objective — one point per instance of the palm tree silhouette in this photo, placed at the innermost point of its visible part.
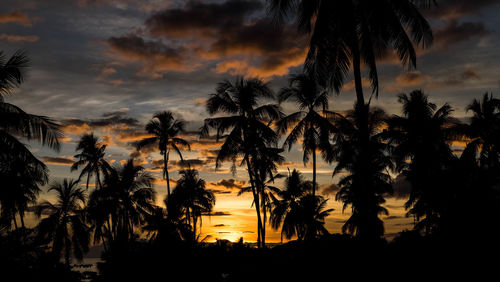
(191, 195)
(131, 190)
(65, 224)
(14, 122)
(165, 130)
(298, 212)
(246, 124)
(349, 33)
(21, 181)
(484, 130)
(91, 158)
(359, 150)
(423, 136)
(308, 123)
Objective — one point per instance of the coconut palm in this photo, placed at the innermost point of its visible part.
(347, 33)
(190, 193)
(299, 212)
(165, 130)
(129, 189)
(244, 126)
(91, 158)
(422, 138)
(484, 130)
(65, 224)
(21, 179)
(360, 152)
(310, 122)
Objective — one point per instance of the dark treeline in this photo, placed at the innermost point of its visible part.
(454, 197)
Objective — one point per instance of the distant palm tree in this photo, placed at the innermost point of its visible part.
(245, 127)
(310, 122)
(349, 33)
(361, 152)
(191, 194)
(91, 158)
(422, 139)
(484, 130)
(65, 224)
(165, 130)
(129, 190)
(298, 212)
(21, 181)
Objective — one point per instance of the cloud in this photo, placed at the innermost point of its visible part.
(19, 38)
(454, 9)
(219, 213)
(412, 78)
(225, 37)
(66, 161)
(220, 225)
(229, 183)
(156, 56)
(17, 17)
(454, 80)
(454, 33)
(329, 189)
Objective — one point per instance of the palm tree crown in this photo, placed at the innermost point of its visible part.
(91, 158)
(65, 222)
(165, 130)
(310, 122)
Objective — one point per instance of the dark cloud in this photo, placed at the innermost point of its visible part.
(229, 183)
(204, 18)
(454, 33)
(57, 160)
(453, 9)
(219, 213)
(108, 119)
(412, 78)
(220, 225)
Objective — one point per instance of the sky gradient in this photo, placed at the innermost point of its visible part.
(108, 65)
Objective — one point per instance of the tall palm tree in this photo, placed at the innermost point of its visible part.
(244, 127)
(422, 138)
(21, 179)
(165, 130)
(484, 130)
(299, 212)
(65, 224)
(91, 158)
(309, 123)
(191, 195)
(361, 152)
(347, 33)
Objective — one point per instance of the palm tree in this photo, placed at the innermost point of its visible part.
(191, 195)
(21, 181)
(422, 138)
(91, 158)
(361, 152)
(129, 190)
(483, 130)
(14, 122)
(65, 224)
(345, 33)
(308, 123)
(165, 130)
(298, 212)
(245, 126)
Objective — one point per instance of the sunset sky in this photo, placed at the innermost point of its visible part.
(108, 65)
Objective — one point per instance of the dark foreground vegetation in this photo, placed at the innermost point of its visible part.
(454, 197)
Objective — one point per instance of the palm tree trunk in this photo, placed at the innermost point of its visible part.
(264, 214)
(194, 227)
(356, 62)
(15, 221)
(256, 202)
(88, 179)
(21, 216)
(165, 168)
(314, 172)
